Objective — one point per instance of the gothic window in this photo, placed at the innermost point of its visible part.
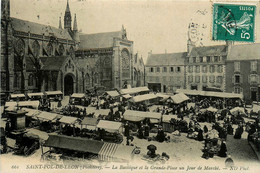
(36, 48)
(16, 80)
(71, 51)
(125, 63)
(49, 49)
(87, 79)
(61, 49)
(30, 80)
(20, 47)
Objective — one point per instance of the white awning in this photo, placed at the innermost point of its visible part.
(35, 94)
(31, 112)
(17, 95)
(127, 96)
(112, 93)
(34, 104)
(53, 92)
(134, 90)
(131, 115)
(78, 95)
(68, 120)
(109, 125)
(167, 118)
(144, 97)
(179, 98)
(47, 116)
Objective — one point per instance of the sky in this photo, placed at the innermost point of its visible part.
(157, 25)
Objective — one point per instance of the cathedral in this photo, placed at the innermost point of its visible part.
(37, 57)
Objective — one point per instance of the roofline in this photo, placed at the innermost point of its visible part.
(230, 60)
(168, 53)
(97, 33)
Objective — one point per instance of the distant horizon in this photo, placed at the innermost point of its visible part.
(152, 25)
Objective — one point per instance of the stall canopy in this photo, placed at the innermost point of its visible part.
(31, 112)
(144, 97)
(89, 121)
(46, 116)
(109, 125)
(210, 94)
(35, 94)
(74, 143)
(167, 118)
(115, 152)
(136, 116)
(17, 95)
(104, 150)
(134, 90)
(164, 96)
(112, 93)
(68, 120)
(237, 110)
(179, 98)
(78, 95)
(54, 93)
(127, 96)
(96, 112)
(35, 104)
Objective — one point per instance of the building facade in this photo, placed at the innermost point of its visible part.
(36, 57)
(138, 71)
(205, 68)
(243, 71)
(165, 72)
(108, 59)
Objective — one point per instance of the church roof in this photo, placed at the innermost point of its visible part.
(98, 40)
(52, 63)
(166, 59)
(40, 29)
(244, 52)
(208, 51)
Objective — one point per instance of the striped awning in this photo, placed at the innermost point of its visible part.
(107, 151)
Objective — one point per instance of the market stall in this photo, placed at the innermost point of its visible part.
(35, 96)
(54, 95)
(135, 91)
(147, 99)
(166, 123)
(137, 116)
(47, 120)
(104, 151)
(89, 123)
(17, 97)
(67, 125)
(78, 99)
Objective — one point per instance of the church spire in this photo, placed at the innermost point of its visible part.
(60, 26)
(67, 18)
(68, 7)
(75, 26)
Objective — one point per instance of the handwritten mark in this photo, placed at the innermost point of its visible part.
(202, 12)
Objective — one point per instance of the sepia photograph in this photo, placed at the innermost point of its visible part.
(130, 86)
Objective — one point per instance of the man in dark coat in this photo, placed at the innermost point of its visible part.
(126, 129)
(200, 135)
(223, 150)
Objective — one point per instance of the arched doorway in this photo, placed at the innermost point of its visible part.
(68, 85)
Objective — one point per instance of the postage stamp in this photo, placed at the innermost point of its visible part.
(233, 22)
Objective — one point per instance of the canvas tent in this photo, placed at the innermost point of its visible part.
(78, 95)
(89, 123)
(146, 98)
(68, 120)
(110, 126)
(46, 116)
(134, 90)
(112, 93)
(105, 151)
(136, 116)
(166, 125)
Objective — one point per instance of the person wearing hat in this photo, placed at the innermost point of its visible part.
(223, 150)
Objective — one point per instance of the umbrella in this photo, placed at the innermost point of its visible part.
(151, 147)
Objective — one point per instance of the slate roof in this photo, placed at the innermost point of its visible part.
(244, 52)
(208, 51)
(52, 63)
(40, 29)
(98, 40)
(166, 59)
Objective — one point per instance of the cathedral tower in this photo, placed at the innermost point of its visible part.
(67, 18)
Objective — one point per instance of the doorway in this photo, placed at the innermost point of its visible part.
(68, 85)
